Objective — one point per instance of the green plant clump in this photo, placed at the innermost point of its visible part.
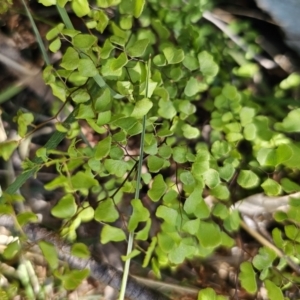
(159, 76)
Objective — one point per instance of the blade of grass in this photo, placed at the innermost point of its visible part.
(64, 16)
(11, 92)
(137, 192)
(37, 35)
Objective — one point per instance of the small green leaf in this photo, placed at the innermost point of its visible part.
(234, 137)
(232, 222)
(143, 234)
(221, 192)
(179, 154)
(264, 259)
(191, 226)
(70, 59)
(211, 178)
(230, 92)
(292, 81)
(207, 65)
(126, 22)
(84, 41)
(138, 6)
(158, 188)
(11, 250)
(103, 101)
(169, 215)
(165, 241)
(271, 187)
(191, 62)
(274, 157)
(227, 241)
(206, 232)
(194, 86)
(274, 292)
(116, 152)
(23, 120)
(111, 234)
(280, 216)
(220, 149)
(292, 232)
(166, 109)
(7, 148)
(80, 7)
(106, 49)
(160, 29)
(178, 254)
(106, 211)
(102, 148)
(118, 41)
(95, 126)
(55, 31)
(138, 48)
(289, 186)
(195, 205)
(80, 250)
(141, 108)
(116, 167)
(85, 213)
(246, 115)
(83, 181)
(247, 70)
(119, 62)
(102, 20)
(226, 172)
(49, 253)
(190, 132)
(173, 56)
(55, 45)
(150, 144)
(58, 90)
(85, 112)
(139, 214)
(220, 210)
(26, 217)
(149, 252)
(290, 123)
(247, 179)
(207, 294)
(165, 151)
(80, 96)
(87, 68)
(131, 255)
(277, 237)
(159, 60)
(201, 163)
(187, 178)
(65, 208)
(247, 277)
(73, 278)
(104, 118)
(155, 163)
(108, 3)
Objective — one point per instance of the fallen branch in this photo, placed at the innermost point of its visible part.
(103, 272)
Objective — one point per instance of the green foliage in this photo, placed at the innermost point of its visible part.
(113, 92)
(209, 294)
(50, 254)
(247, 277)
